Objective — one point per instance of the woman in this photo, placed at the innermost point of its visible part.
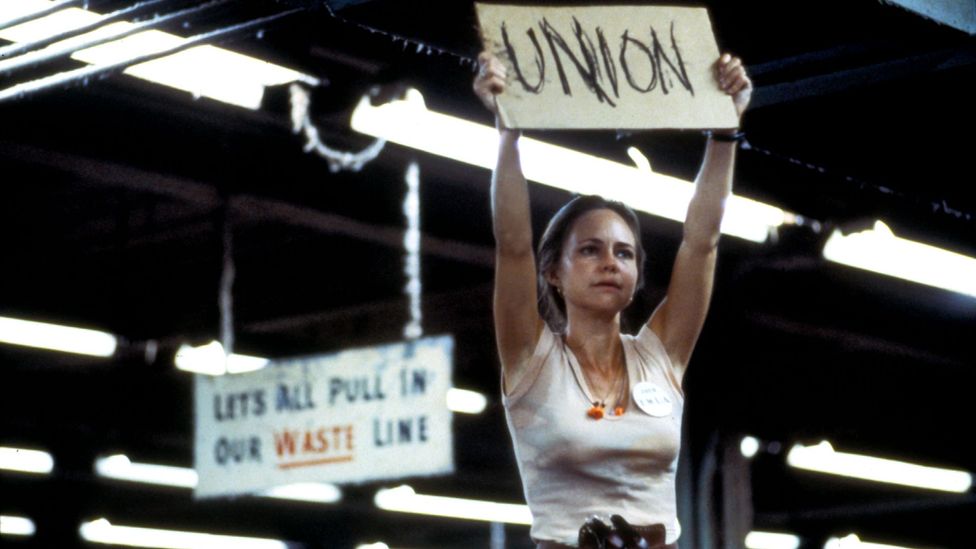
(595, 415)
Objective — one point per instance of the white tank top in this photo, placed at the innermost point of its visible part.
(573, 466)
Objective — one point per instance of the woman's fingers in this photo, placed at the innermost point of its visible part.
(733, 80)
(490, 80)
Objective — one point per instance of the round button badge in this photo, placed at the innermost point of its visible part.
(652, 399)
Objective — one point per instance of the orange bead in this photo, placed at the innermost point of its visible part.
(618, 411)
(595, 412)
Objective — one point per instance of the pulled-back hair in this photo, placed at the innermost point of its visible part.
(552, 307)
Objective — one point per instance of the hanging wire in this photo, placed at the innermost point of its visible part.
(18, 48)
(411, 245)
(35, 58)
(82, 75)
(56, 6)
(419, 47)
(938, 207)
(338, 160)
(226, 294)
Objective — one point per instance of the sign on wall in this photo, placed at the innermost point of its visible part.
(606, 67)
(353, 416)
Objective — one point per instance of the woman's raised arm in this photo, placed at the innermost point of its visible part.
(679, 319)
(517, 320)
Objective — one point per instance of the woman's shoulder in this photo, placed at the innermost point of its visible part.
(523, 375)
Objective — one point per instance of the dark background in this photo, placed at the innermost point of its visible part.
(114, 194)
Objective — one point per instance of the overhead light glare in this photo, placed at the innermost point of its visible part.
(210, 359)
(103, 531)
(405, 500)
(119, 467)
(879, 250)
(55, 337)
(202, 71)
(824, 459)
(852, 541)
(312, 492)
(465, 401)
(771, 540)
(24, 460)
(409, 123)
(12, 525)
(749, 446)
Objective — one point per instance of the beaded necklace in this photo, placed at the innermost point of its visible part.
(598, 408)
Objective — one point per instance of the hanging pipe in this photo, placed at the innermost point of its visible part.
(36, 58)
(69, 78)
(57, 6)
(18, 48)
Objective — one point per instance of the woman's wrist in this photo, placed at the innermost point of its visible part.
(728, 135)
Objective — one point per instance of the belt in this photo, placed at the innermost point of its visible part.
(655, 535)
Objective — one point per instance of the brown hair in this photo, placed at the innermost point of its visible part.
(552, 308)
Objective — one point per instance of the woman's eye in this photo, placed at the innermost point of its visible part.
(625, 254)
(586, 250)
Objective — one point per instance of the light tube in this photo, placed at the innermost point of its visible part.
(824, 459)
(23, 460)
(465, 402)
(312, 492)
(880, 251)
(409, 123)
(210, 359)
(55, 337)
(102, 531)
(203, 71)
(12, 525)
(853, 542)
(771, 540)
(404, 499)
(120, 467)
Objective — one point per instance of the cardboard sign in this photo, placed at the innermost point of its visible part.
(353, 416)
(628, 67)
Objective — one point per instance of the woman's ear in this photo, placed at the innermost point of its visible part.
(552, 278)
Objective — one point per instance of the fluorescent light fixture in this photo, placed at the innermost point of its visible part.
(103, 531)
(771, 540)
(119, 467)
(880, 251)
(26, 461)
(11, 525)
(409, 123)
(55, 337)
(210, 359)
(405, 500)
(853, 542)
(203, 71)
(465, 401)
(313, 492)
(824, 459)
(749, 446)
(377, 545)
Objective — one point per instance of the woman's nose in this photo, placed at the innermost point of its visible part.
(608, 261)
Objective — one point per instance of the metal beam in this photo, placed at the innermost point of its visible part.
(35, 58)
(69, 78)
(248, 207)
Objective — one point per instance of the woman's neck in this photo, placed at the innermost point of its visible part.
(595, 341)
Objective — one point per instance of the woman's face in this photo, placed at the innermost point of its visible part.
(597, 269)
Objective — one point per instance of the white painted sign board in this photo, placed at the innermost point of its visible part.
(353, 416)
(617, 67)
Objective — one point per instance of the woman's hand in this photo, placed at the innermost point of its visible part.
(490, 81)
(733, 80)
